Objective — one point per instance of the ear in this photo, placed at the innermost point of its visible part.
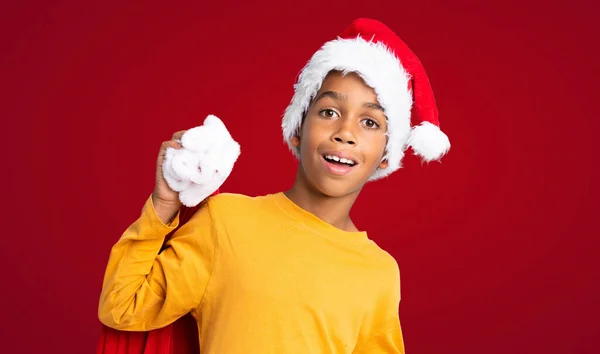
(383, 164)
(295, 140)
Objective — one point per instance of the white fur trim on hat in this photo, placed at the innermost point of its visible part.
(380, 69)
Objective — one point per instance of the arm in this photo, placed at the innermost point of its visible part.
(387, 339)
(383, 332)
(144, 289)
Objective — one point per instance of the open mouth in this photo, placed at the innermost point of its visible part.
(339, 160)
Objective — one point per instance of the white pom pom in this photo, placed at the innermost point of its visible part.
(429, 142)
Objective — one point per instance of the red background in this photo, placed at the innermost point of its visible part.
(498, 245)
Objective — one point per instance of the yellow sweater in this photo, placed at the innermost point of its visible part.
(260, 275)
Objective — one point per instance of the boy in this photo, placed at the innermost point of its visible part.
(289, 272)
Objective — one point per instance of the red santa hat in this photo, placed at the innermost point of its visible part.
(374, 52)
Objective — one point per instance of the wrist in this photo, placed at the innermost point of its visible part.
(165, 210)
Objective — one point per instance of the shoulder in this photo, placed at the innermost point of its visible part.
(227, 206)
(381, 258)
(385, 268)
(238, 216)
(229, 201)
(220, 199)
(387, 262)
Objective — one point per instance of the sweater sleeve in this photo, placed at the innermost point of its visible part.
(145, 288)
(387, 339)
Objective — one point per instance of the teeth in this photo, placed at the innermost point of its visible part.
(342, 160)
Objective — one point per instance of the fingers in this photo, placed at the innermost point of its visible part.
(174, 143)
(164, 146)
(171, 143)
(178, 135)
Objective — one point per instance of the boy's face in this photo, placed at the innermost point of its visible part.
(342, 139)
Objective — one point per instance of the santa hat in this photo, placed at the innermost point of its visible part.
(385, 63)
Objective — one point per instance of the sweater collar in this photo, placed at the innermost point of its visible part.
(315, 223)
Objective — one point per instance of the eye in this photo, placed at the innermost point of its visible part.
(328, 113)
(370, 123)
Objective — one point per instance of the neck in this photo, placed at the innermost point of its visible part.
(333, 210)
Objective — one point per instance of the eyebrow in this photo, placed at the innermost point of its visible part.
(341, 97)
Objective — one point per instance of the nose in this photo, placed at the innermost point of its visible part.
(344, 133)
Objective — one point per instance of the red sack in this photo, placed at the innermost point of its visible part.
(180, 337)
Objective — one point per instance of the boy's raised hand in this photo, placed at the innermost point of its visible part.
(192, 166)
(165, 200)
